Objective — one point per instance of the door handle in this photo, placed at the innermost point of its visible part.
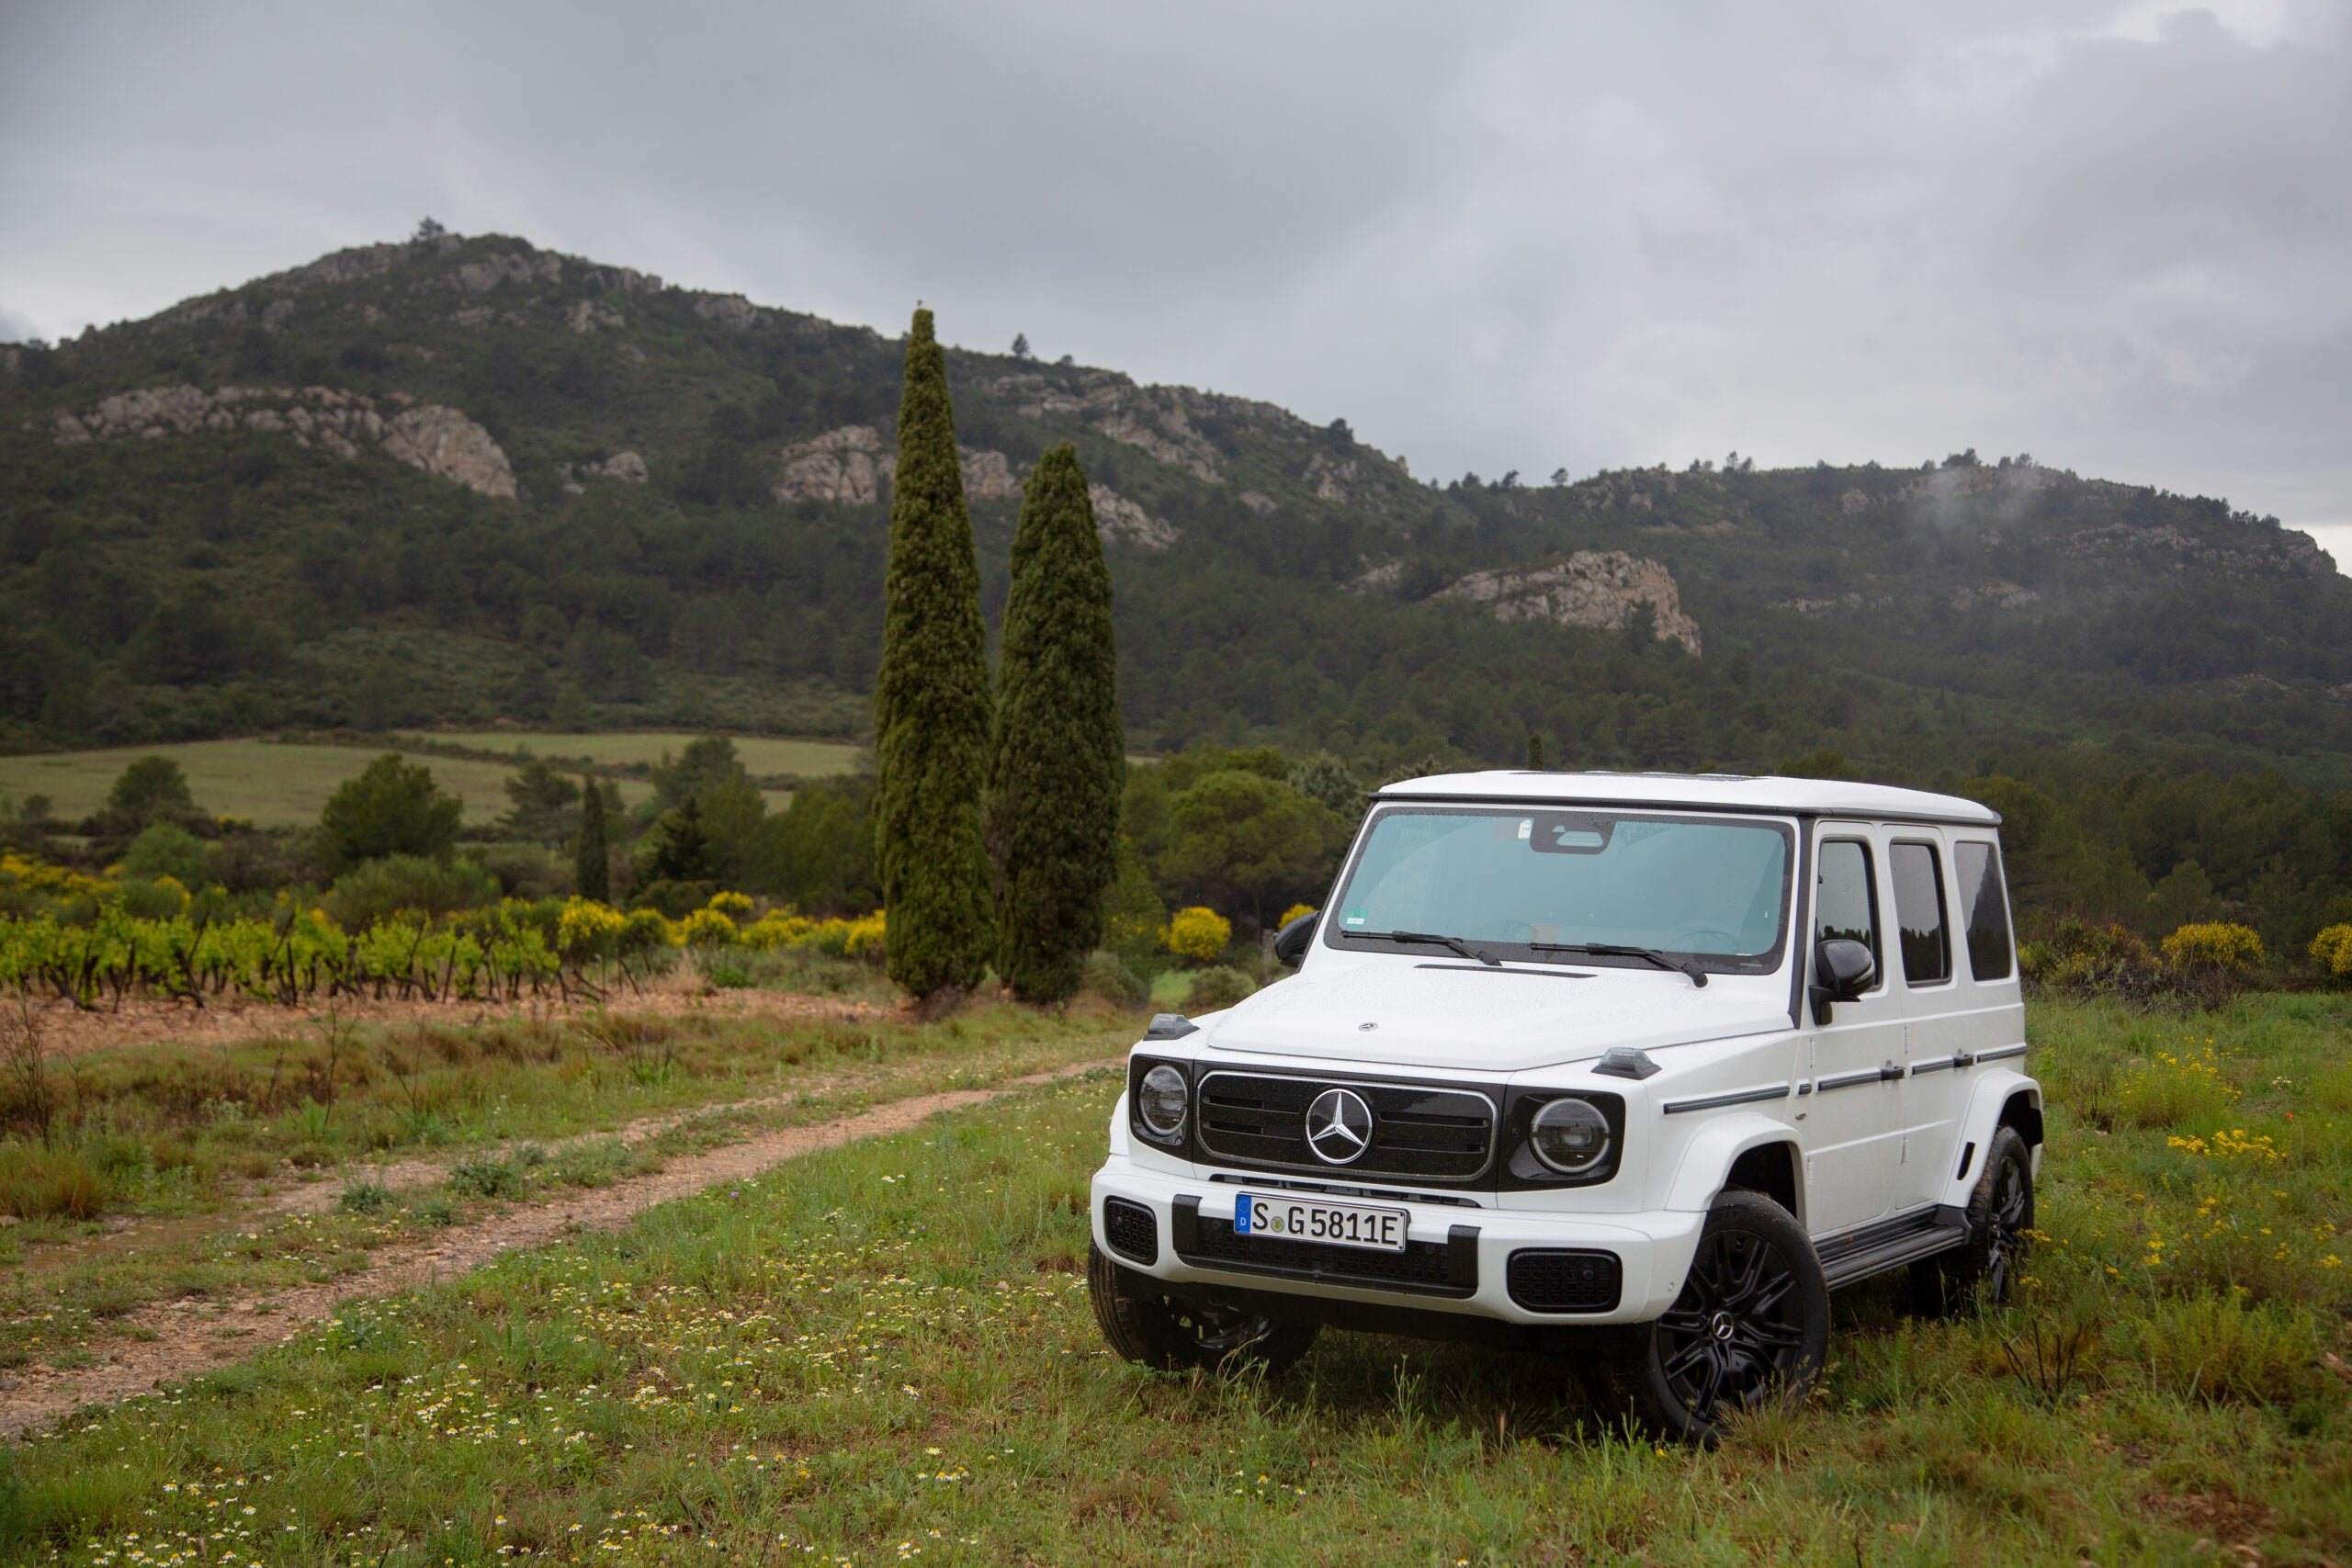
(1889, 1073)
(1964, 1059)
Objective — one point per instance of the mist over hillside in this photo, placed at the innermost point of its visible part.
(464, 481)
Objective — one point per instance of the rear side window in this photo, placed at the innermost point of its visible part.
(1920, 913)
(1844, 901)
(1983, 910)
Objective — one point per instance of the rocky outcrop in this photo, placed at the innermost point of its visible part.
(853, 466)
(1117, 518)
(848, 465)
(486, 273)
(1152, 418)
(1260, 504)
(1331, 477)
(425, 436)
(728, 311)
(625, 466)
(591, 315)
(1590, 588)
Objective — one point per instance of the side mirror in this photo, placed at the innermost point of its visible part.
(1290, 942)
(1842, 970)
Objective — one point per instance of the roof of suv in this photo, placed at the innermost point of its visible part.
(1720, 792)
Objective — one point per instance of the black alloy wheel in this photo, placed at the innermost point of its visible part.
(1750, 1327)
(1174, 1334)
(1985, 1268)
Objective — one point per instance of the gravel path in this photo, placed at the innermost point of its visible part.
(193, 1335)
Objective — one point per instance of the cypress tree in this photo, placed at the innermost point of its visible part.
(1059, 753)
(931, 702)
(591, 870)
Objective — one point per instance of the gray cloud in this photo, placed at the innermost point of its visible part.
(2113, 235)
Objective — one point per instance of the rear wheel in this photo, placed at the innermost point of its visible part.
(1750, 1327)
(1172, 1334)
(1984, 1268)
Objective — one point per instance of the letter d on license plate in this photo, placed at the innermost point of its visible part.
(1333, 1225)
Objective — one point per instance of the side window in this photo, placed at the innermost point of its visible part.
(1983, 910)
(1844, 898)
(1920, 913)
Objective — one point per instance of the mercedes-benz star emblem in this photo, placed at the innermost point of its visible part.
(1338, 1126)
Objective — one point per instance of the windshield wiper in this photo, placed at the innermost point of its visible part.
(1455, 942)
(1614, 950)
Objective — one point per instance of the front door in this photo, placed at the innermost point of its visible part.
(1849, 1123)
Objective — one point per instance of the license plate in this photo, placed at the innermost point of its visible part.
(1333, 1225)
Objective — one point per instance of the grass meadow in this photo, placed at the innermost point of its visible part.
(272, 783)
(763, 756)
(883, 1353)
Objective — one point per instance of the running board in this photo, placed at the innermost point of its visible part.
(1856, 1255)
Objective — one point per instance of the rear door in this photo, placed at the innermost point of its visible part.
(1847, 1116)
(1934, 1006)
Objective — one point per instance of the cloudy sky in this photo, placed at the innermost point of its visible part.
(2116, 235)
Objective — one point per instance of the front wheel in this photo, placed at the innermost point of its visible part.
(1750, 1327)
(1159, 1331)
(2000, 1229)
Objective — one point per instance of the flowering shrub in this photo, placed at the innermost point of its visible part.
(861, 938)
(1293, 913)
(587, 928)
(1197, 933)
(2079, 956)
(734, 906)
(703, 928)
(2213, 945)
(34, 875)
(2332, 949)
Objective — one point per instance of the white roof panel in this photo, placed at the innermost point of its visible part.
(1720, 792)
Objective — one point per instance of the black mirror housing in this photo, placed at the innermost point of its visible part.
(1290, 942)
(1844, 968)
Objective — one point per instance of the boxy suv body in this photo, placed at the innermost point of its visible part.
(1635, 1066)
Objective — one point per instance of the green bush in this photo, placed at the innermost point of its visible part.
(1109, 978)
(167, 849)
(382, 888)
(1220, 987)
(38, 1183)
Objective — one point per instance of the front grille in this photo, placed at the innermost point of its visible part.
(1543, 1280)
(1260, 1119)
(1132, 1230)
(1448, 1269)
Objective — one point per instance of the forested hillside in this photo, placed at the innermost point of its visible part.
(464, 481)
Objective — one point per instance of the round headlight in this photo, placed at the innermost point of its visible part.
(1570, 1135)
(1160, 1101)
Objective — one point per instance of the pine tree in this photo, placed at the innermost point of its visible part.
(1534, 752)
(1059, 753)
(931, 702)
(592, 870)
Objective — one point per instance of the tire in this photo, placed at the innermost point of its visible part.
(1983, 1270)
(1173, 1335)
(1750, 1327)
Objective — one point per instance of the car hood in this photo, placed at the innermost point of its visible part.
(1440, 1015)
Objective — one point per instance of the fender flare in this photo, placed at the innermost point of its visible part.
(1986, 1102)
(1707, 1158)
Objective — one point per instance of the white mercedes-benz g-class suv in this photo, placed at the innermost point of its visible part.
(1636, 1068)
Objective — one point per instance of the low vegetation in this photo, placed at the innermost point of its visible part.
(884, 1354)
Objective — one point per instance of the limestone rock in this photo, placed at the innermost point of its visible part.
(625, 466)
(847, 465)
(486, 273)
(589, 315)
(1590, 588)
(853, 466)
(1260, 504)
(1331, 477)
(1995, 594)
(1116, 517)
(728, 311)
(425, 435)
(1152, 418)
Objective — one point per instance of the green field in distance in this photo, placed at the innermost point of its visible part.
(274, 783)
(762, 755)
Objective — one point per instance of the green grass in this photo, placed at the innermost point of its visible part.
(883, 1353)
(172, 1135)
(763, 756)
(274, 783)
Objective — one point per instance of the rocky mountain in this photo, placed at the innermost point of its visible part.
(467, 479)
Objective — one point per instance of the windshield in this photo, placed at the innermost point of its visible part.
(1523, 884)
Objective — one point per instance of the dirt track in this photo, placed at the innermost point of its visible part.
(189, 1333)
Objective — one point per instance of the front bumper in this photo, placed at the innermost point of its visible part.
(1459, 1260)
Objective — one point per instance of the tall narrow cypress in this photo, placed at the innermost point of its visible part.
(931, 703)
(592, 870)
(1059, 753)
